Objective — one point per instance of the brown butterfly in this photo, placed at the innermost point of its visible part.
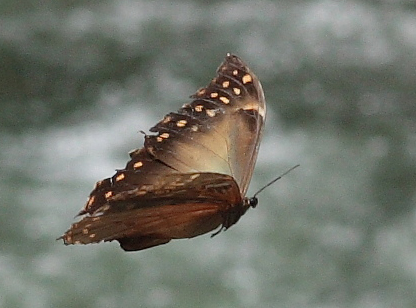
(190, 177)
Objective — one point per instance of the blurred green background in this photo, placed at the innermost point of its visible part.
(80, 79)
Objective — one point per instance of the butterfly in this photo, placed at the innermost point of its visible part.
(192, 174)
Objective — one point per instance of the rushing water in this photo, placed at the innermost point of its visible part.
(79, 80)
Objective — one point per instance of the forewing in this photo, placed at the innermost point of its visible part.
(219, 131)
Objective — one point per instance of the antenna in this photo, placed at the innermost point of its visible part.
(270, 183)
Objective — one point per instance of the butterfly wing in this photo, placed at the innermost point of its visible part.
(179, 206)
(219, 131)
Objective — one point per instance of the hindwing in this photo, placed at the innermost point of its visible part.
(176, 206)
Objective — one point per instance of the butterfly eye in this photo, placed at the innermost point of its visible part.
(253, 201)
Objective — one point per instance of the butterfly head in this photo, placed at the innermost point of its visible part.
(253, 201)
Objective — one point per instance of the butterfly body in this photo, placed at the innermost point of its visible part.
(190, 177)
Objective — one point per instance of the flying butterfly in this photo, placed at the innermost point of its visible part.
(191, 176)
